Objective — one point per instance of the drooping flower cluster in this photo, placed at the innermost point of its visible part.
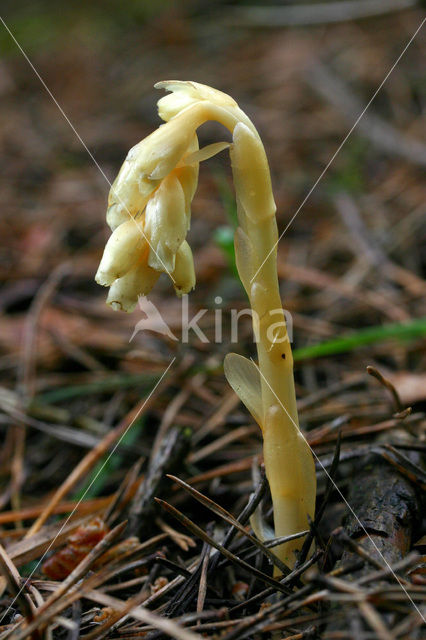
(149, 214)
(149, 205)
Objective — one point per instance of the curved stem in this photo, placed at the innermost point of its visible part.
(288, 461)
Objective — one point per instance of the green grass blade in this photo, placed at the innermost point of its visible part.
(371, 335)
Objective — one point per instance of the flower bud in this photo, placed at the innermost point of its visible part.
(187, 174)
(184, 273)
(124, 292)
(130, 191)
(185, 93)
(165, 223)
(161, 151)
(121, 252)
(188, 178)
(147, 163)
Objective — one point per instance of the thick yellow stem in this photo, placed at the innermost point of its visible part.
(288, 461)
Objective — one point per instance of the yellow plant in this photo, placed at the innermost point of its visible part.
(149, 214)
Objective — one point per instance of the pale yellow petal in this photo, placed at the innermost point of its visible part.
(165, 223)
(205, 153)
(124, 292)
(187, 174)
(196, 90)
(129, 193)
(147, 163)
(185, 93)
(188, 178)
(172, 104)
(121, 252)
(184, 273)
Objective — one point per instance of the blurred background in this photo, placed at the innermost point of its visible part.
(351, 261)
